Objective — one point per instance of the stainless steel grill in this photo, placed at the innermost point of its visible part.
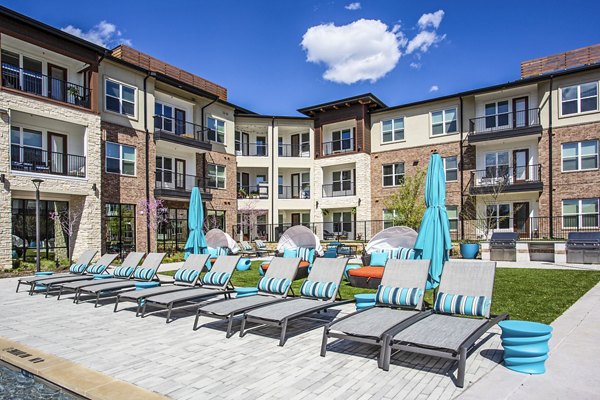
(583, 248)
(503, 246)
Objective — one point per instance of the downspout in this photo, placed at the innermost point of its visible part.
(462, 221)
(273, 176)
(550, 175)
(150, 74)
(202, 114)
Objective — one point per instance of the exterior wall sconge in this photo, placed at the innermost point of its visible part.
(359, 201)
(2, 178)
(415, 163)
(317, 204)
(94, 187)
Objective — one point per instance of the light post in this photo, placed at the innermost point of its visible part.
(37, 183)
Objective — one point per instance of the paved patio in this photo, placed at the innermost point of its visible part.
(183, 364)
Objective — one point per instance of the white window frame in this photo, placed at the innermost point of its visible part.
(163, 118)
(444, 122)
(121, 146)
(217, 121)
(452, 219)
(216, 175)
(393, 175)
(163, 170)
(578, 99)
(387, 222)
(497, 114)
(446, 169)
(579, 213)
(342, 221)
(393, 131)
(341, 140)
(342, 180)
(498, 216)
(120, 98)
(578, 156)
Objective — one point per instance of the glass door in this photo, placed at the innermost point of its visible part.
(520, 165)
(295, 186)
(179, 122)
(520, 112)
(57, 145)
(521, 219)
(57, 86)
(179, 174)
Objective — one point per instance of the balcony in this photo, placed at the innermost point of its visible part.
(260, 191)
(181, 132)
(505, 125)
(252, 149)
(170, 184)
(338, 146)
(339, 189)
(505, 179)
(293, 150)
(31, 159)
(44, 86)
(293, 192)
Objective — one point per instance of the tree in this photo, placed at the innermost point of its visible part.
(155, 211)
(408, 203)
(248, 220)
(66, 220)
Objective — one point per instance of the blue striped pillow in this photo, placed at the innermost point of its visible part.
(397, 296)
(274, 285)
(144, 273)
(96, 269)
(306, 254)
(186, 275)
(123, 272)
(403, 253)
(459, 304)
(319, 290)
(246, 247)
(215, 278)
(77, 268)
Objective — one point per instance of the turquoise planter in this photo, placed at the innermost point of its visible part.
(243, 264)
(525, 345)
(469, 250)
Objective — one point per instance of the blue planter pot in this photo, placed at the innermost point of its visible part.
(469, 250)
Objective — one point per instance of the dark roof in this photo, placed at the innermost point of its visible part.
(246, 115)
(354, 99)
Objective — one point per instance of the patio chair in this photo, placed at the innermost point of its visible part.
(261, 248)
(145, 273)
(76, 269)
(318, 293)
(460, 316)
(272, 288)
(399, 298)
(214, 283)
(126, 269)
(185, 277)
(246, 249)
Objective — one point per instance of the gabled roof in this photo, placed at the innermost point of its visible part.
(367, 98)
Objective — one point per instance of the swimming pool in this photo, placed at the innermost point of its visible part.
(15, 384)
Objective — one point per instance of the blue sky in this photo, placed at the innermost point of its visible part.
(259, 49)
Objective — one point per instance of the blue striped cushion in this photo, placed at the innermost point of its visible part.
(306, 254)
(274, 285)
(320, 290)
(219, 251)
(77, 268)
(215, 278)
(459, 304)
(403, 253)
(246, 247)
(397, 296)
(186, 275)
(123, 272)
(96, 269)
(145, 274)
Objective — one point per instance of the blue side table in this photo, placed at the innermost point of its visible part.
(348, 268)
(525, 345)
(364, 300)
(245, 291)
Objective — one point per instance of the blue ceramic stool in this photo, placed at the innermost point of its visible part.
(525, 345)
(245, 291)
(348, 268)
(364, 300)
(243, 265)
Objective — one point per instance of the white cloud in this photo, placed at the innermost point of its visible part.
(362, 50)
(434, 88)
(431, 19)
(104, 34)
(353, 6)
(423, 40)
(415, 65)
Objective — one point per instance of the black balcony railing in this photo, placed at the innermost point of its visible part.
(253, 191)
(293, 192)
(171, 183)
(339, 189)
(504, 176)
(338, 146)
(252, 149)
(293, 150)
(170, 126)
(505, 121)
(31, 159)
(43, 85)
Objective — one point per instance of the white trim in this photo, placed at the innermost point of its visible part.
(445, 169)
(224, 143)
(393, 174)
(135, 98)
(49, 176)
(393, 129)
(578, 157)
(579, 214)
(120, 173)
(578, 100)
(217, 176)
(443, 111)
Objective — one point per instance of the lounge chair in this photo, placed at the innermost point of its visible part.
(391, 309)
(145, 273)
(261, 248)
(272, 288)
(318, 293)
(128, 266)
(246, 249)
(187, 276)
(216, 282)
(445, 331)
(75, 270)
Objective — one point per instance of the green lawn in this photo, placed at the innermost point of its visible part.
(530, 294)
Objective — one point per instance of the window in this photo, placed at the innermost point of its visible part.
(120, 228)
(451, 168)
(172, 231)
(389, 217)
(392, 130)
(216, 130)
(498, 216)
(305, 219)
(164, 169)
(580, 156)
(393, 174)
(305, 144)
(443, 122)
(120, 159)
(280, 185)
(169, 119)
(342, 180)
(120, 98)
(453, 217)
(342, 222)
(580, 213)
(305, 185)
(216, 176)
(496, 165)
(261, 146)
(579, 98)
(496, 114)
(341, 140)
(215, 219)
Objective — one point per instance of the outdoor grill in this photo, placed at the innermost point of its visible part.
(503, 246)
(583, 247)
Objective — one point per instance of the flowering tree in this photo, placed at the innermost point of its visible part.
(248, 219)
(66, 221)
(155, 212)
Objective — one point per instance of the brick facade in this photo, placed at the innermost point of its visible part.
(222, 199)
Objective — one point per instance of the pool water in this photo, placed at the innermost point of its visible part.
(22, 385)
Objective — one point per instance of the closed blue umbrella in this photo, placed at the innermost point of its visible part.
(433, 242)
(196, 242)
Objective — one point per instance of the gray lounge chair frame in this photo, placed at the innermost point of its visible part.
(194, 261)
(230, 308)
(323, 270)
(152, 261)
(262, 250)
(85, 258)
(249, 253)
(132, 260)
(471, 279)
(370, 325)
(168, 300)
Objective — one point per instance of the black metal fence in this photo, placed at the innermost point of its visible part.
(505, 121)
(169, 125)
(293, 192)
(253, 191)
(293, 150)
(338, 146)
(504, 175)
(31, 159)
(168, 182)
(260, 149)
(339, 189)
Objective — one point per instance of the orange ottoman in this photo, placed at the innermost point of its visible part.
(365, 277)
